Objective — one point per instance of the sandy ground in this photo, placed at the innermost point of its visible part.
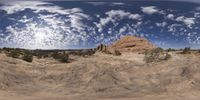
(101, 77)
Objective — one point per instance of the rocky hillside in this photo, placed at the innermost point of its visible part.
(132, 44)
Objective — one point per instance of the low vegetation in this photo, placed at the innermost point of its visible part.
(186, 50)
(156, 55)
(28, 56)
(15, 53)
(23, 54)
(62, 57)
(170, 50)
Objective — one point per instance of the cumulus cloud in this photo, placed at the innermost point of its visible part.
(188, 21)
(170, 16)
(53, 26)
(193, 38)
(54, 32)
(97, 3)
(150, 10)
(117, 4)
(115, 15)
(123, 29)
(180, 18)
(107, 3)
(197, 15)
(36, 6)
(173, 28)
(163, 24)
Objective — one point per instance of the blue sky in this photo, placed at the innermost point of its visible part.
(83, 24)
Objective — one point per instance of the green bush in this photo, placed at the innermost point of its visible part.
(62, 57)
(27, 57)
(39, 56)
(186, 50)
(170, 49)
(14, 54)
(7, 49)
(156, 55)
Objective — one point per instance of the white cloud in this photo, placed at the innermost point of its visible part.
(58, 32)
(170, 16)
(180, 18)
(193, 38)
(116, 15)
(163, 24)
(97, 15)
(150, 10)
(97, 3)
(197, 15)
(36, 6)
(123, 29)
(107, 3)
(117, 4)
(135, 16)
(188, 21)
(173, 28)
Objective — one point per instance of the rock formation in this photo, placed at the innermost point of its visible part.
(108, 50)
(132, 44)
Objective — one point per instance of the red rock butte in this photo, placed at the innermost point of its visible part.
(132, 44)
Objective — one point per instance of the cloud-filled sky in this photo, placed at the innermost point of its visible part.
(64, 24)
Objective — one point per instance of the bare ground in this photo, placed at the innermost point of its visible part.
(101, 77)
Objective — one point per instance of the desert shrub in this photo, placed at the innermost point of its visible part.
(117, 53)
(27, 56)
(170, 49)
(62, 57)
(86, 52)
(7, 49)
(37, 55)
(55, 55)
(45, 55)
(156, 55)
(13, 53)
(186, 50)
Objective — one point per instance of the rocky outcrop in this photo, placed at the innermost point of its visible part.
(106, 49)
(132, 44)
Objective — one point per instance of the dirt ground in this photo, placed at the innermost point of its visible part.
(101, 77)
